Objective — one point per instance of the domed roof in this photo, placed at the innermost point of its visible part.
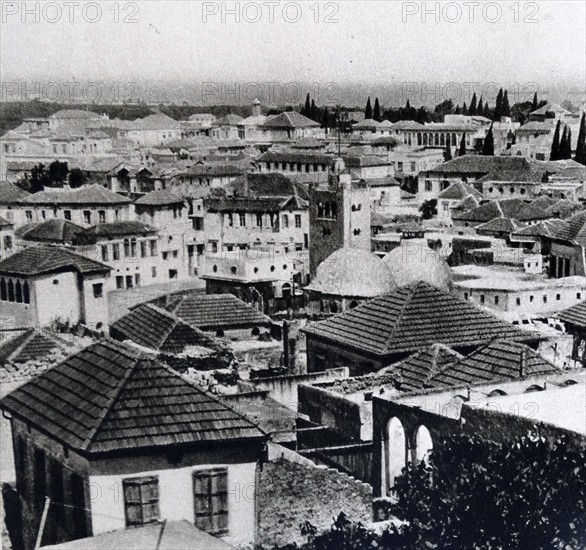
(352, 272)
(414, 261)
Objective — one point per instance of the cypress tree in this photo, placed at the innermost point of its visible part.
(488, 146)
(376, 114)
(535, 103)
(313, 111)
(555, 146)
(368, 110)
(307, 109)
(498, 109)
(581, 147)
(325, 118)
(566, 144)
(480, 108)
(464, 109)
(487, 113)
(462, 150)
(458, 110)
(569, 151)
(473, 103)
(506, 104)
(448, 153)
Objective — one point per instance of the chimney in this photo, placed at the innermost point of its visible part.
(523, 364)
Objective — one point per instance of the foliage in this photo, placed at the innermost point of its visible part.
(77, 178)
(581, 147)
(53, 176)
(555, 145)
(428, 209)
(368, 110)
(528, 494)
(488, 145)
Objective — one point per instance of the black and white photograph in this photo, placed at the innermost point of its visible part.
(292, 275)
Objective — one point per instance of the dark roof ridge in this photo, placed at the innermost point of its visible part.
(89, 439)
(412, 289)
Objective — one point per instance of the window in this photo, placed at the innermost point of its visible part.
(154, 271)
(43, 215)
(578, 295)
(119, 282)
(545, 298)
(153, 245)
(29, 215)
(133, 247)
(297, 221)
(230, 220)
(259, 220)
(126, 248)
(137, 279)
(518, 301)
(558, 297)
(102, 216)
(143, 249)
(242, 217)
(413, 167)
(98, 290)
(129, 281)
(165, 255)
(104, 249)
(496, 300)
(87, 217)
(531, 299)
(428, 186)
(210, 498)
(141, 500)
(482, 298)
(285, 220)
(116, 251)
(465, 295)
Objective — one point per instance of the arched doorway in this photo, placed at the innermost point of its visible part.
(423, 444)
(395, 455)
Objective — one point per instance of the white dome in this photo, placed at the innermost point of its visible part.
(353, 272)
(414, 261)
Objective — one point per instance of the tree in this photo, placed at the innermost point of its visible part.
(314, 112)
(487, 113)
(57, 173)
(368, 110)
(534, 105)
(506, 106)
(566, 144)
(428, 209)
(458, 110)
(581, 147)
(307, 109)
(473, 105)
(376, 114)
(464, 109)
(555, 146)
(498, 109)
(488, 146)
(480, 108)
(325, 118)
(76, 178)
(448, 153)
(462, 150)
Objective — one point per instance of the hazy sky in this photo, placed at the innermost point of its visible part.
(382, 41)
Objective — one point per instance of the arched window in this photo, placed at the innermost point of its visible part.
(442, 139)
(423, 444)
(126, 248)
(10, 290)
(233, 270)
(454, 140)
(396, 454)
(18, 292)
(424, 139)
(497, 393)
(333, 307)
(534, 388)
(3, 290)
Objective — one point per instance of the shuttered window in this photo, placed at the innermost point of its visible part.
(141, 500)
(210, 492)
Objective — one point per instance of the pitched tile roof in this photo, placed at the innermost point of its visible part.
(576, 315)
(290, 119)
(546, 228)
(50, 231)
(29, 344)
(38, 260)
(499, 225)
(458, 191)
(415, 371)
(412, 318)
(295, 156)
(507, 208)
(498, 360)
(74, 114)
(153, 327)
(110, 397)
(157, 121)
(160, 198)
(92, 195)
(229, 120)
(532, 211)
(216, 169)
(113, 229)
(11, 194)
(479, 164)
(212, 310)
(564, 208)
(266, 185)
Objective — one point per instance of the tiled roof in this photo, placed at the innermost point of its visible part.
(74, 114)
(532, 211)
(564, 208)
(229, 120)
(507, 208)
(499, 225)
(160, 198)
(5, 223)
(407, 125)
(110, 397)
(157, 121)
(29, 344)
(412, 318)
(575, 315)
(365, 161)
(415, 371)
(153, 327)
(211, 170)
(244, 204)
(212, 310)
(366, 124)
(266, 185)
(114, 229)
(498, 360)
(537, 126)
(51, 231)
(546, 228)
(480, 164)
(572, 230)
(550, 108)
(290, 119)
(38, 260)
(459, 191)
(11, 194)
(92, 195)
(295, 156)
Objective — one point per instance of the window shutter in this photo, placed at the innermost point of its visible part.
(210, 489)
